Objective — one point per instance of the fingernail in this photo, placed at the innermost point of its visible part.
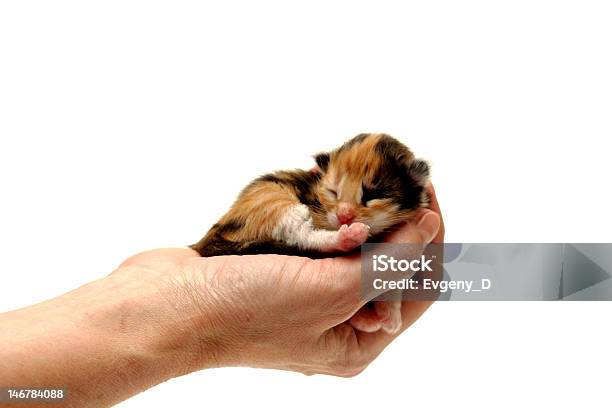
(428, 226)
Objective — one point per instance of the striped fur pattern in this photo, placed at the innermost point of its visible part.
(371, 183)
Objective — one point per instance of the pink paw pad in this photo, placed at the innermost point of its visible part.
(350, 237)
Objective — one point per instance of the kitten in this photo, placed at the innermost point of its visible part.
(360, 190)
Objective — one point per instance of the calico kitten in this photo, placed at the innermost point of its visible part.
(360, 190)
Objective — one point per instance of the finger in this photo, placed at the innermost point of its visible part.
(435, 206)
(423, 230)
(416, 235)
(372, 344)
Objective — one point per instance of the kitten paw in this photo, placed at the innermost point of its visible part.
(351, 236)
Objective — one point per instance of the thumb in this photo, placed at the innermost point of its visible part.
(422, 230)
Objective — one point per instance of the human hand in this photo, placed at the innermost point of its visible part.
(168, 312)
(268, 311)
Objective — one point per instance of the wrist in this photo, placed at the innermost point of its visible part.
(163, 323)
(135, 327)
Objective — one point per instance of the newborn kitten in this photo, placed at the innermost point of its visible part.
(358, 191)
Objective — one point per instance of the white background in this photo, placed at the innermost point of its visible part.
(129, 125)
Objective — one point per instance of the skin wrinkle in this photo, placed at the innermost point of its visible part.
(237, 283)
(187, 294)
(295, 277)
(175, 297)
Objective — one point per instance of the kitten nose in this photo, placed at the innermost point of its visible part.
(345, 215)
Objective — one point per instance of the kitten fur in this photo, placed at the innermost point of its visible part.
(372, 179)
(362, 189)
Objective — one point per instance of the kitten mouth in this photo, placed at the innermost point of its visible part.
(336, 224)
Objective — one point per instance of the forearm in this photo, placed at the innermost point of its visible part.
(96, 342)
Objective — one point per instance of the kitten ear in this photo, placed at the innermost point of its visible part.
(418, 169)
(322, 160)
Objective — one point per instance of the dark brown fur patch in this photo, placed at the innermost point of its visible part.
(374, 173)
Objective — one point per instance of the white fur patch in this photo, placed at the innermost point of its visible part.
(295, 228)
